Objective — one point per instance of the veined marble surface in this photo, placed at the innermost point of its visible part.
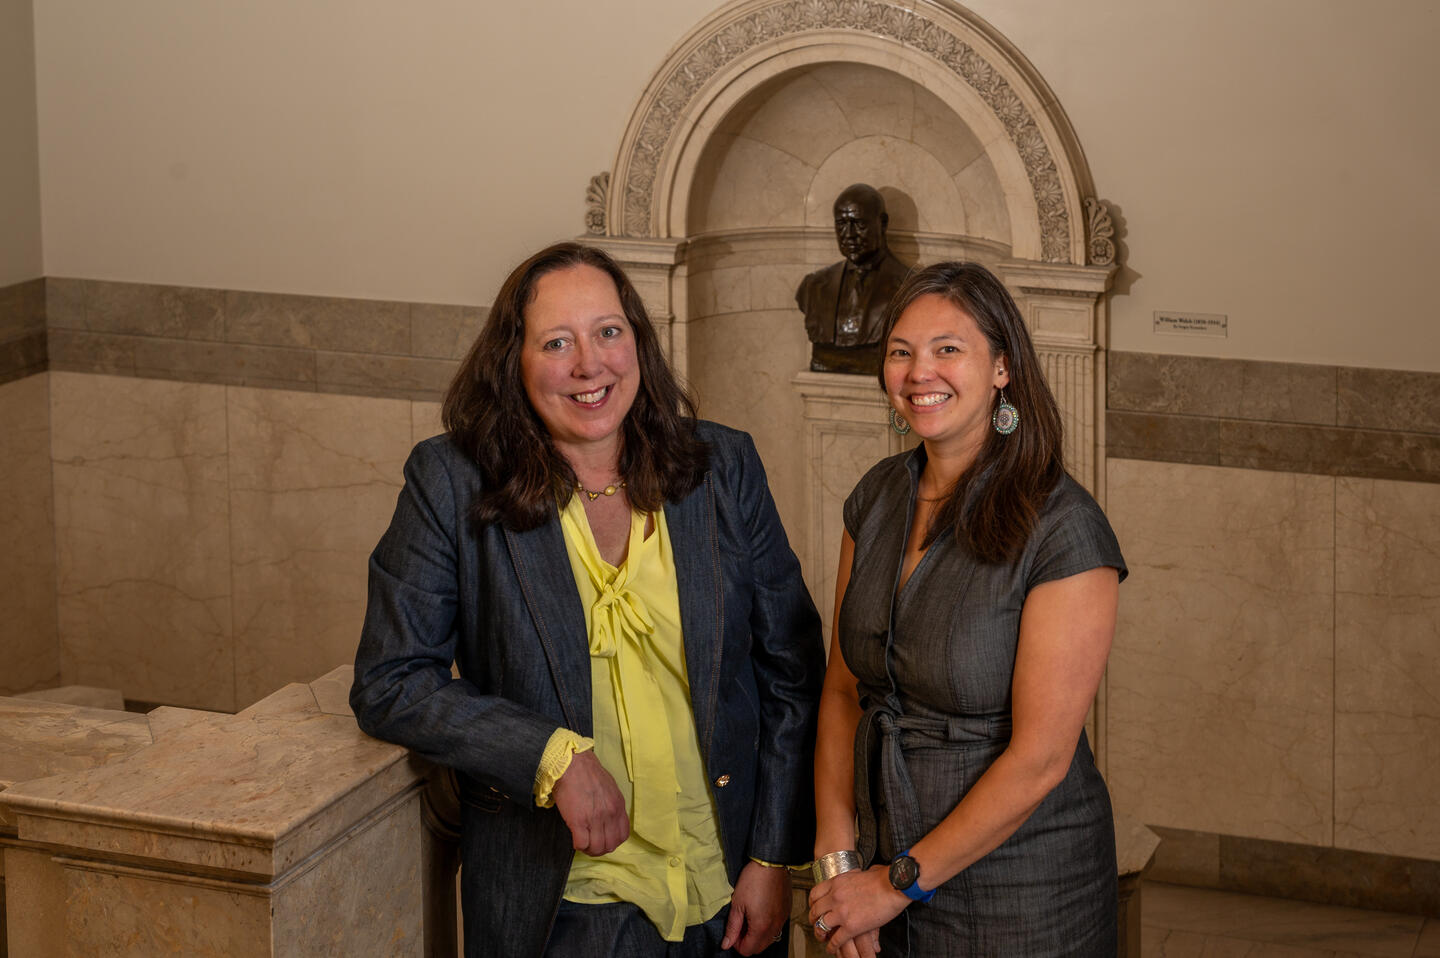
(28, 631)
(211, 540)
(782, 156)
(251, 834)
(313, 480)
(1387, 668)
(248, 794)
(39, 739)
(1220, 702)
(142, 535)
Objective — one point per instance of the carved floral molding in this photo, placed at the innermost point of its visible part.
(872, 17)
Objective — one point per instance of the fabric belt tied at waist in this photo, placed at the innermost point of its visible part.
(880, 744)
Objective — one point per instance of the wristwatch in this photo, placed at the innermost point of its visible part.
(905, 876)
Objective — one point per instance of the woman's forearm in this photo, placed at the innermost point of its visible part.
(835, 771)
(995, 807)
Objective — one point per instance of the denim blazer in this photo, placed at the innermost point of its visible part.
(503, 606)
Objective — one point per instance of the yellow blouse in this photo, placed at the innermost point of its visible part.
(672, 865)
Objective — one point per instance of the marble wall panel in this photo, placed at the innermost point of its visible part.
(744, 381)
(28, 635)
(425, 421)
(822, 128)
(398, 377)
(81, 351)
(22, 330)
(233, 364)
(34, 899)
(344, 905)
(772, 287)
(1220, 689)
(319, 322)
(22, 309)
(942, 134)
(796, 114)
(1389, 399)
(842, 454)
(743, 182)
(875, 102)
(64, 302)
(131, 912)
(715, 292)
(142, 538)
(25, 356)
(984, 200)
(918, 190)
(444, 332)
(313, 480)
(176, 312)
(1387, 650)
(1225, 388)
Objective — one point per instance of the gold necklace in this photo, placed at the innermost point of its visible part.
(609, 490)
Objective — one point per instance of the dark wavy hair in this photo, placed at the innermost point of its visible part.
(488, 413)
(996, 501)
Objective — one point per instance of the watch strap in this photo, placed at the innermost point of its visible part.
(913, 891)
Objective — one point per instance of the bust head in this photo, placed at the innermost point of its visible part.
(860, 221)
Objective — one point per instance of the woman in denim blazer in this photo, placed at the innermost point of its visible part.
(466, 574)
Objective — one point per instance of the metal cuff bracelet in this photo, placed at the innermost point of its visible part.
(828, 866)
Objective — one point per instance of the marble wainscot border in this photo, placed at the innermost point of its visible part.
(1331, 876)
(22, 330)
(355, 347)
(1277, 417)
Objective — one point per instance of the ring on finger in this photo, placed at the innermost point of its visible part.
(821, 927)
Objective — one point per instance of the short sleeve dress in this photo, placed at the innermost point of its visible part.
(934, 666)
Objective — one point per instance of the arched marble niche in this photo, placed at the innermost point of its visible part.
(720, 201)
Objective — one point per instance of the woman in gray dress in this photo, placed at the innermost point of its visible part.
(959, 810)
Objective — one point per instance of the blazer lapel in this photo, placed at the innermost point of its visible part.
(543, 568)
(695, 541)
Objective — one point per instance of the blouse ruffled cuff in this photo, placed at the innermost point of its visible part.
(559, 751)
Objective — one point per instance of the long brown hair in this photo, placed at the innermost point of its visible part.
(488, 413)
(996, 501)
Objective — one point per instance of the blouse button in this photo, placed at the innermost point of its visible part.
(722, 781)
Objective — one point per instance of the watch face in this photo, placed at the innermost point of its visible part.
(904, 872)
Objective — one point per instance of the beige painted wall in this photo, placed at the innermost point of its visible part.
(20, 257)
(337, 147)
(1269, 161)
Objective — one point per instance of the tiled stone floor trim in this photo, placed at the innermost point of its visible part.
(1182, 922)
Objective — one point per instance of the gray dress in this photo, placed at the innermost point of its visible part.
(934, 667)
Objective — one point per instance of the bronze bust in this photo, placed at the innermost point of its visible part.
(844, 304)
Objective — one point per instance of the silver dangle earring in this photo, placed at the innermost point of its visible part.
(1007, 418)
(898, 423)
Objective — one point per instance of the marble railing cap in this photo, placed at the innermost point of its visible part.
(87, 695)
(39, 738)
(255, 793)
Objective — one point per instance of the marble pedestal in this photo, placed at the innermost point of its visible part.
(39, 739)
(282, 830)
(847, 430)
